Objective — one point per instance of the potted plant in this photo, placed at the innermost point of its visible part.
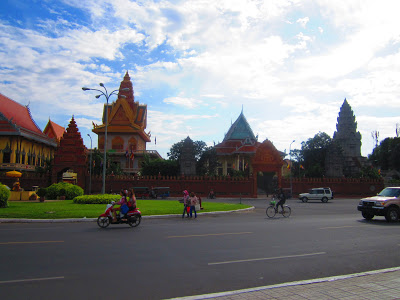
(61, 194)
(41, 194)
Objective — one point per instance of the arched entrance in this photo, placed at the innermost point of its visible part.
(267, 165)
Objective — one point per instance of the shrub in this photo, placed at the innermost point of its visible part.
(61, 192)
(72, 191)
(41, 192)
(4, 195)
(96, 199)
(52, 191)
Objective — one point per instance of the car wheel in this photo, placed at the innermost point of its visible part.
(304, 199)
(392, 214)
(324, 199)
(367, 216)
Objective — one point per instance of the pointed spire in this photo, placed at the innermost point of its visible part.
(127, 83)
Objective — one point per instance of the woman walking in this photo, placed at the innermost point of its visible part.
(193, 203)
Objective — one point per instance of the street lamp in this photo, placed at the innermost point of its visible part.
(290, 162)
(90, 166)
(105, 94)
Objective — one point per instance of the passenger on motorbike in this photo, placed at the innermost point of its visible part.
(123, 205)
(132, 200)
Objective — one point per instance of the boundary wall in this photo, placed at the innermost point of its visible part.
(223, 186)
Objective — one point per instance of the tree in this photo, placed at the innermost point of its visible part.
(208, 162)
(97, 164)
(386, 156)
(175, 151)
(312, 155)
(206, 157)
(159, 166)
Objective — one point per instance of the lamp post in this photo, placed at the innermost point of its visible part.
(107, 95)
(90, 166)
(290, 162)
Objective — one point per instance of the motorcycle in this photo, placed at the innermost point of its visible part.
(132, 217)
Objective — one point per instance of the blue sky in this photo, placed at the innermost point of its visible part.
(290, 64)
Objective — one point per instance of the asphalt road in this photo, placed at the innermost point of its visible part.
(166, 258)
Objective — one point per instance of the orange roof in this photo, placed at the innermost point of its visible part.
(19, 114)
(57, 130)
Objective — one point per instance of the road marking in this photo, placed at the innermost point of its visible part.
(338, 227)
(201, 235)
(37, 242)
(32, 279)
(265, 258)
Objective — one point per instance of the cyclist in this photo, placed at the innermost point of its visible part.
(282, 199)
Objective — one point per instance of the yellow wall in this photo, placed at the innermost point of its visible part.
(25, 145)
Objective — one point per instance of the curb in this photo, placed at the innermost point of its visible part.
(6, 220)
(288, 284)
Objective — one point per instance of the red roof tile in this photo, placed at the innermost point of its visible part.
(57, 130)
(19, 114)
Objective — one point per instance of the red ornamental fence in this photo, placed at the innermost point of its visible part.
(223, 186)
(201, 186)
(342, 187)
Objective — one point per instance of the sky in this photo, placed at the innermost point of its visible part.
(196, 64)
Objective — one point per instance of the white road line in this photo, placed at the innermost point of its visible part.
(31, 279)
(338, 227)
(264, 258)
(207, 234)
(34, 242)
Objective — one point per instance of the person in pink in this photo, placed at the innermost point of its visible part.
(186, 203)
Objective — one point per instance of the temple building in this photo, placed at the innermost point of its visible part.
(126, 124)
(53, 130)
(241, 151)
(23, 146)
(344, 157)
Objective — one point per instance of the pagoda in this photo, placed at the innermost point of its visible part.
(126, 124)
(344, 156)
(70, 157)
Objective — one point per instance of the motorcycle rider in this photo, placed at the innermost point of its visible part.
(123, 205)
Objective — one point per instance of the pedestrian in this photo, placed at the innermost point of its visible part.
(186, 203)
(193, 203)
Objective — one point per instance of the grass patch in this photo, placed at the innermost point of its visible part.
(67, 209)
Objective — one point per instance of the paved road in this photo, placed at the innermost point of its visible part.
(165, 258)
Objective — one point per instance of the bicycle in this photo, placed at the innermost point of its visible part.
(272, 210)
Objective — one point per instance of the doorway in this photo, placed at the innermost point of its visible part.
(266, 183)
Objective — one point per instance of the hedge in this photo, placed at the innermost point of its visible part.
(96, 199)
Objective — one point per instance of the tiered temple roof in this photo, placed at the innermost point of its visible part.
(16, 119)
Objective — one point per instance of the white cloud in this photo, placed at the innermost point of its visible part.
(187, 102)
(303, 21)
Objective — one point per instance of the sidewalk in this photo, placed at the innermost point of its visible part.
(380, 284)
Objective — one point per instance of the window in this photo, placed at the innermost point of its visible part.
(117, 143)
(17, 157)
(7, 155)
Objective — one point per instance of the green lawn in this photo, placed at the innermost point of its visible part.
(66, 209)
